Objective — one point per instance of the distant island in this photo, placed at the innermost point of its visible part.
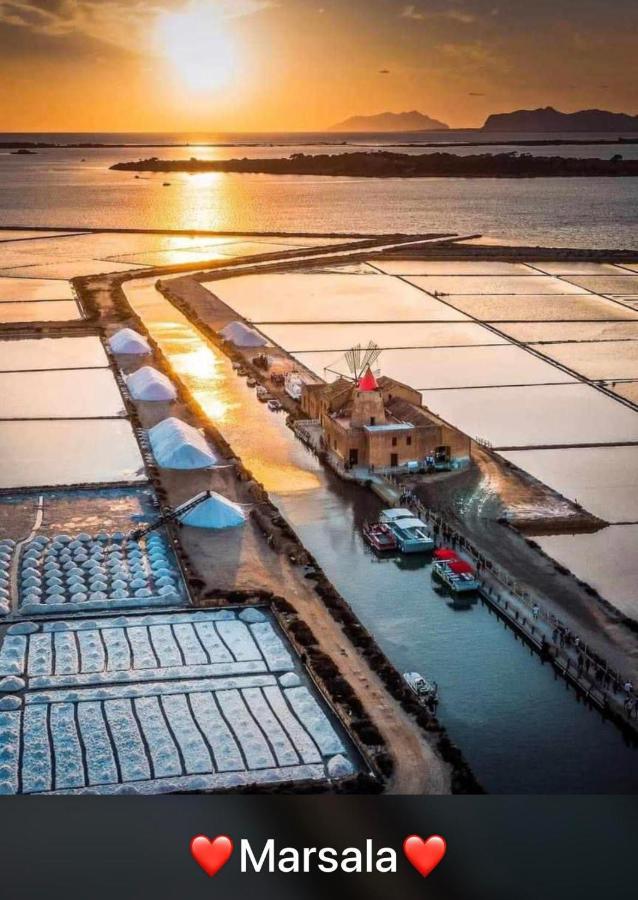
(551, 120)
(399, 165)
(388, 121)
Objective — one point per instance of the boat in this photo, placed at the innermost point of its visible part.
(456, 574)
(262, 394)
(426, 692)
(379, 536)
(251, 382)
(412, 534)
(274, 405)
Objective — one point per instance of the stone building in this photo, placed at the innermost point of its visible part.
(380, 424)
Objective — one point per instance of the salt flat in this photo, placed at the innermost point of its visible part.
(52, 353)
(543, 307)
(18, 290)
(450, 367)
(296, 338)
(68, 452)
(157, 703)
(495, 284)
(607, 284)
(578, 267)
(608, 359)
(530, 416)
(68, 394)
(604, 480)
(328, 298)
(40, 311)
(451, 267)
(606, 560)
(533, 332)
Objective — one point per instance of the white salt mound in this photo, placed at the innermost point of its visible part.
(176, 445)
(128, 341)
(215, 512)
(242, 335)
(149, 384)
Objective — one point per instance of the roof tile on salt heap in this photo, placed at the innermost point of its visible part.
(242, 335)
(128, 341)
(149, 384)
(176, 445)
(215, 512)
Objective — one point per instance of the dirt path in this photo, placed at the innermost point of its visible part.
(473, 504)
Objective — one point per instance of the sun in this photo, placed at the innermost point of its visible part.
(198, 45)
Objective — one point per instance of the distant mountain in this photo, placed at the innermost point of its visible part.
(550, 119)
(387, 121)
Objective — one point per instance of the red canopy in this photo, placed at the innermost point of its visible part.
(445, 553)
(461, 567)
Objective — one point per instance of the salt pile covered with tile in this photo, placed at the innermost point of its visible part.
(149, 384)
(192, 700)
(176, 445)
(127, 341)
(242, 335)
(7, 548)
(65, 574)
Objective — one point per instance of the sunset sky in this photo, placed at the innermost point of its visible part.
(256, 65)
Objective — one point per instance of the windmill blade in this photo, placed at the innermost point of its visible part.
(370, 356)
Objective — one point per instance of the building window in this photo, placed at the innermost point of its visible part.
(372, 420)
(408, 440)
(394, 442)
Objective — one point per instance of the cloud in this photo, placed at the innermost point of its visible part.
(417, 14)
(119, 22)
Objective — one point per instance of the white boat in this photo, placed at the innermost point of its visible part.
(412, 534)
(426, 692)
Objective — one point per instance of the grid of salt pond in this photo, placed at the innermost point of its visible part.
(157, 703)
(61, 574)
(62, 416)
(74, 255)
(446, 327)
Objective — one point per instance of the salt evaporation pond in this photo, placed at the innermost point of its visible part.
(20, 289)
(578, 267)
(160, 703)
(538, 332)
(451, 267)
(495, 284)
(68, 394)
(536, 415)
(609, 359)
(606, 560)
(52, 353)
(328, 298)
(607, 284)
(68, 452)
(604, 480)
(455, 367)
(538, 307)
(301, 338)
(40, 311)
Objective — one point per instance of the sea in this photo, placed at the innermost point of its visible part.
(70, 187)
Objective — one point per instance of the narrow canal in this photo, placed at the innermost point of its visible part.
(520, 727)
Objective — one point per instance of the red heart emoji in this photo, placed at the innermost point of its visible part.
(211, 855)
(424, 855)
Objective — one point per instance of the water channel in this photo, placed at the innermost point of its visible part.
(520, 727)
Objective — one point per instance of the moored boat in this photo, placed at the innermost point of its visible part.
(412, 534)
(426, 692)
(379, 536)
(274, 404)
(456, 574)
(251, 382)
(262, 394)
